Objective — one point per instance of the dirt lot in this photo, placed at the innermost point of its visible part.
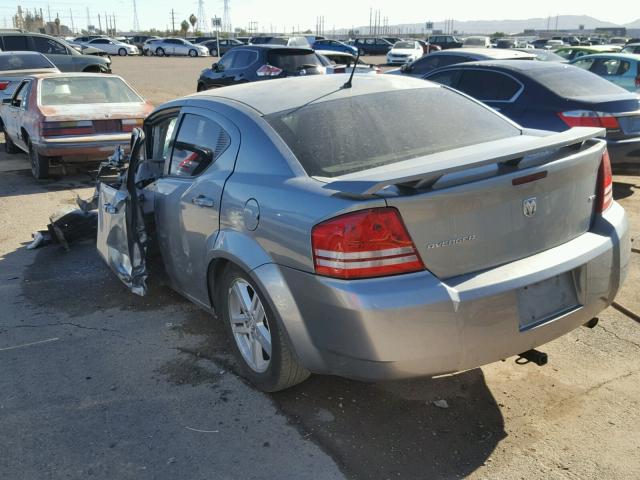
(97, 383)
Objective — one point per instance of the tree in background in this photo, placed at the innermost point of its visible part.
(193, 20)
(184, 28)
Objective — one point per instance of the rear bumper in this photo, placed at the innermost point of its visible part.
(83, 148)
(416, 325)
(624, 153)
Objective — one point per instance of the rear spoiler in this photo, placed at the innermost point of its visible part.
(429, 168)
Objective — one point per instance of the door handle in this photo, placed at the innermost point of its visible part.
(203, 201)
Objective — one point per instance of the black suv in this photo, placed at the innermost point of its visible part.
(445, 41)
(371, 46)
(63, 56)
(252, 63)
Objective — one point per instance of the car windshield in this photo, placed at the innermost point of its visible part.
(404, 45)
(475, 41)
(83, 90)
(352, 134)
(23, 62)
(573, 82)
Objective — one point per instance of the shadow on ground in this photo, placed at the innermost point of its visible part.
(377, 431)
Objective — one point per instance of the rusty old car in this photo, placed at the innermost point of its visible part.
(64, 118)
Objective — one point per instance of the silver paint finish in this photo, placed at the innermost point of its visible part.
(461, 312)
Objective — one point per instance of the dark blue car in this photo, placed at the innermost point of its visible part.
(334, 46)
(552, 96)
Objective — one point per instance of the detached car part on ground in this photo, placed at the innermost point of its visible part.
(330, 238)
(70, 118)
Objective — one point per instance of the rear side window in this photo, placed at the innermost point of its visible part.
(571, 82)
(15, 43)
(352, 134)
(23, 62)
(48, 45)
(244, 58)
(292, 61)
(487, 85)
(200, 141)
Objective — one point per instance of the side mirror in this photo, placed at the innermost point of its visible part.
(406, 68)
(215, 67)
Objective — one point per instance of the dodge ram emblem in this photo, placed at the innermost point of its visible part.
(529, 207)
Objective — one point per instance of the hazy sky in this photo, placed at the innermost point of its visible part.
(338, 13)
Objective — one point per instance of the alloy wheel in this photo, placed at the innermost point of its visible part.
(249, 325)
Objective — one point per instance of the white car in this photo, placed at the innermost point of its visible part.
(477, 42)
(113, 47)
(405, 51)
(178, 46)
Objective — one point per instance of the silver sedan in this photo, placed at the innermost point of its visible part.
(178, 46)
(384, 229)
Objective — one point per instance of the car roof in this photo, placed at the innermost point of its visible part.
(522, 66)
(288, 93)
(271, 46)
(496, 53)
(620, 56)
(73, 74)
(20, 52)
(334, 53)
(589, 47)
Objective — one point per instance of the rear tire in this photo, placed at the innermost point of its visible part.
(122, 52)
(193, 53)
(160, 52)
(39, 163)
(213, 52)
(270, 373)
(201, 88)
(9, 146)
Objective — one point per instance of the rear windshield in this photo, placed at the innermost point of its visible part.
(23, 62)
(404, 45)
(574, 82)
(346, 135)
(475, 41)
(82, 90)
(293, 61)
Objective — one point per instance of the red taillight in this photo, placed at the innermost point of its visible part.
(340, 69)
(589, 118)
(59, 129)
(4, 85)
(638, 81)
(128, 124)
(268, 71)
(604, 194)
(364, 244)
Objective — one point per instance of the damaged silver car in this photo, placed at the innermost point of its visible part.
(332, 238)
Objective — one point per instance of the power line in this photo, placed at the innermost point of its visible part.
(201, 24)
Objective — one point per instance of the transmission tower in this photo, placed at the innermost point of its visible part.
(226, 17)
(136, 22)
(202, 24)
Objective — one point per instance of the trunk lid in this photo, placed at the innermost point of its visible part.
(484, 213)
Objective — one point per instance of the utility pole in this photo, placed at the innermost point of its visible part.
(99, 24)
(136, 22)
(73, 28)
(88, 19)
(115, 30)
(49, 12)
(173, 22)
(370, 15)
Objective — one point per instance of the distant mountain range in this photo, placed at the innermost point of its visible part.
(562, 22)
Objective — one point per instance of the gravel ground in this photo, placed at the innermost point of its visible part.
(98, 383)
